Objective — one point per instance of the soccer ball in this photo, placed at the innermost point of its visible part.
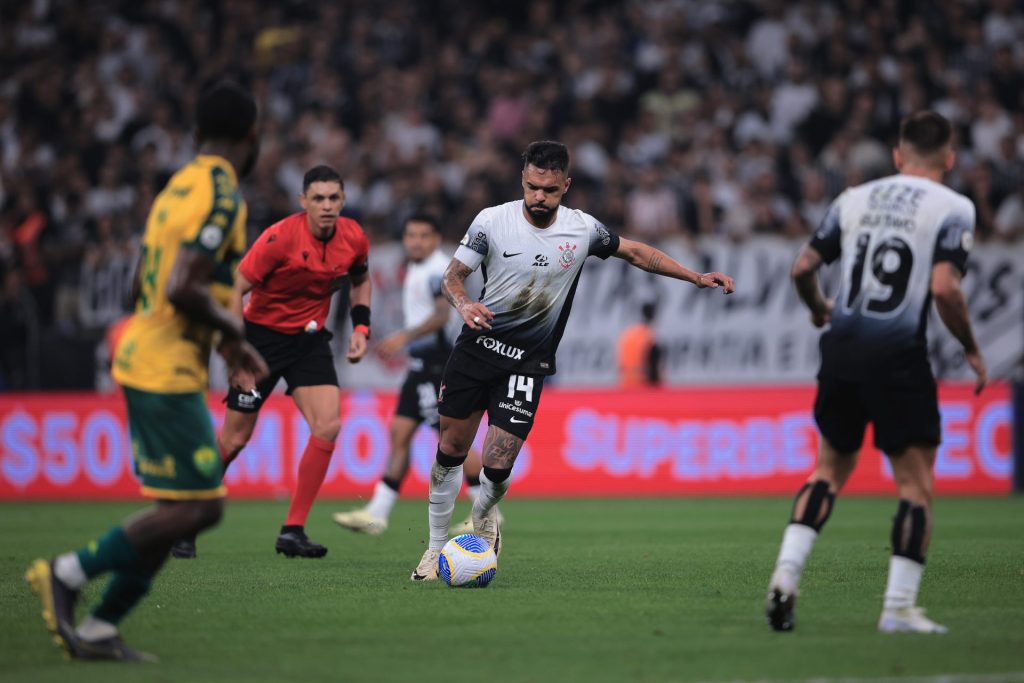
(467, 561)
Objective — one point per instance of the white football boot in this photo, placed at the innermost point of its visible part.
(907, 620)
(361, 521)
(488, 528)
(426, 570)
(466, 525)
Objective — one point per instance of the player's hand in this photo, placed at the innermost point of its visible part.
(977, 364)
(715, 280)
(391, 345)
(242, 380)
(476, 316)
(243, 361)
(824, 316)
(356, 347)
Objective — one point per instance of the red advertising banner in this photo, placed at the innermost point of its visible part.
(697, 441)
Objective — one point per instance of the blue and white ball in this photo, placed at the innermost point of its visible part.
(467, 561)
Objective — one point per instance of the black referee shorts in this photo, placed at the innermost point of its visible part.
(303, 360)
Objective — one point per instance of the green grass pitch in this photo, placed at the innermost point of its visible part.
(586, 590)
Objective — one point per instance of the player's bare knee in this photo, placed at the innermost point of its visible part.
(206, 513)
(453, 445)
(234, 442)
(325, 428)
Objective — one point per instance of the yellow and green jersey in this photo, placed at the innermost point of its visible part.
(201, 208)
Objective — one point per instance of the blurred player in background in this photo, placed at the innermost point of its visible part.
(292, 271)
(902, 240)
(194, 237)
(532, 252)
(639, 354)
(426, 314)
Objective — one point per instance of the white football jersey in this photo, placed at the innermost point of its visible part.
(421, 288)
(889, 234)
(530, 276)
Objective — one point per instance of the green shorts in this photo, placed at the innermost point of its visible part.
(174, 446)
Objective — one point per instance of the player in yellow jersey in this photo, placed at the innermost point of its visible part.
(194, 237)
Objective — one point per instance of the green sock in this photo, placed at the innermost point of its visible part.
(113, 551)
(122, 594)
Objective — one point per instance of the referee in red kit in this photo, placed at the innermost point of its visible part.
(292, 270)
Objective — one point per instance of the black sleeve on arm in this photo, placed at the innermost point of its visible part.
(603, 243)
(954, 241)
(827, 240)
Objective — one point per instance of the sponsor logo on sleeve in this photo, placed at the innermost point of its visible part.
(603, 234)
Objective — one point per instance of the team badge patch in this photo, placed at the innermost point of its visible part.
(211, 236)
(568, 256)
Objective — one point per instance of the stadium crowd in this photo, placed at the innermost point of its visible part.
(685, 119)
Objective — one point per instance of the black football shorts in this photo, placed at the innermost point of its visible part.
(903, 414)
(469, 384)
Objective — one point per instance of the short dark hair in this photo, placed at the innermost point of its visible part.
(225, 111)
(926, 131)
(548, 155)
(321, 174)
(427, 218)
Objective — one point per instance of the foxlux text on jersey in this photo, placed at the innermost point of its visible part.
(500, 348)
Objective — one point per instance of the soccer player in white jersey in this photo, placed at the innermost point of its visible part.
(531, 253)
(903, 240)
(426, 313)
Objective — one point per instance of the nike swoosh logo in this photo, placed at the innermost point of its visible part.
(508, 255)
(518, 422)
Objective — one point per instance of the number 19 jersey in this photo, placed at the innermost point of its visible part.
(888, 233)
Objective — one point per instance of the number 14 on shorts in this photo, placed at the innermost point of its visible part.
(520, 383)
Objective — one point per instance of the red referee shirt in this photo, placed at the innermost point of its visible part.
(293, 274)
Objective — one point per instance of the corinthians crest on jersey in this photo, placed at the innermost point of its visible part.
(530, 302)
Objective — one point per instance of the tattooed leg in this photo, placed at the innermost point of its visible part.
(500, 451)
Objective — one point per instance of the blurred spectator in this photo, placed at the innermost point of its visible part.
(652, 210)
(639, 354)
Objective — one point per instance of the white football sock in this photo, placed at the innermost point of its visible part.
(490, 495)
(383, 500)
(904, 580)
(69, 570)
(94, 629)
(797, 543)
(445, 483)
(472, 492)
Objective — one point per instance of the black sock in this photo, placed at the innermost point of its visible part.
(294, 529)
(393, 484)
(472, 481)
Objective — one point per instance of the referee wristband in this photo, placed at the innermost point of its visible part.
(360, 315)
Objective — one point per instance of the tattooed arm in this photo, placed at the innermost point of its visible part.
(453, 285)
(805, 277)
(646, 257)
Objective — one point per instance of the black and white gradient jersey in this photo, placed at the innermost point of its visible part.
(530, 276)
(889, 234)
(420, 290)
